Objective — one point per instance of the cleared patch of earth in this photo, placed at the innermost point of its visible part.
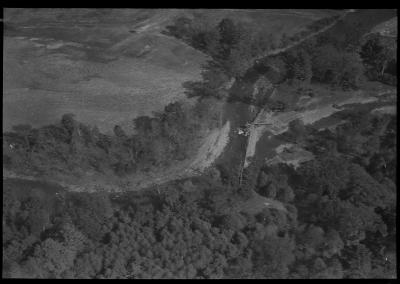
(212, 147)
(277, 123)
(290, 154)
(257, 203)
(385, 110)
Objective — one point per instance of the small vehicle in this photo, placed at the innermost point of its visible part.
(336, 106)
(243, 132)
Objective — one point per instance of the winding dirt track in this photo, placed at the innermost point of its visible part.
(212, 147)
(293, 44)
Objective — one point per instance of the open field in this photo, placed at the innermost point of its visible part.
(40, 84)
(41, 88)
(108, 65)
(388, 28)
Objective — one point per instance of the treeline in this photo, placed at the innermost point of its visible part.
(235, 44)
(231, 45)
(345, 198)
(70, 147)
(337, 221)
(320, 61)
(366, 139)
(341, 61)
(234, 47)
(351, 188)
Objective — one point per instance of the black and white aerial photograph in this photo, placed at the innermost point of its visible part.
(199, 143)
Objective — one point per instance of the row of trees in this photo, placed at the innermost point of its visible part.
(319, 63)
(338, 60)
(70, 147)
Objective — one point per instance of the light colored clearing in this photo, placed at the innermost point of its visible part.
(227, 85)
(311, 116)
(333, 126)
(388, 28)
(282, 147)
(306, 101)
(274, 94)
(385, 109)
(147, 27)
(272, 203)
(212, 148)
(277, 123)
(11, 174)
(386, 92)
(290, 154)
(255, 135)
(256, 131)
(59, 44)
(357, 100)
(258, 203)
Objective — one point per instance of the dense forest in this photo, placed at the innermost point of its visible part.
(338, 211)
(340, 221)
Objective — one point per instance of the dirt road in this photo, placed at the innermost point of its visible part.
(283, 49)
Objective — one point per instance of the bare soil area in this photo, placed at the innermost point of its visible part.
(277, 123)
